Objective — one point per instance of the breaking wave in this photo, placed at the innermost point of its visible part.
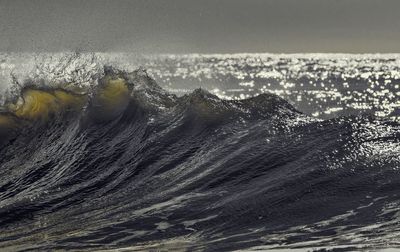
(125, 164)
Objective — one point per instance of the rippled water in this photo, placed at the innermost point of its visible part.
(102, 158)
(320, 85)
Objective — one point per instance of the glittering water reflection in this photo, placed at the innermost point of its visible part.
(322, 85)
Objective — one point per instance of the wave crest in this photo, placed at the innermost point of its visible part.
(124, 162)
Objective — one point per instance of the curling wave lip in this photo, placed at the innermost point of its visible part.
(196, 173)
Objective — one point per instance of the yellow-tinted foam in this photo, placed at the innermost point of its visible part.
(110, 100)
(114, 92)
(40, 104)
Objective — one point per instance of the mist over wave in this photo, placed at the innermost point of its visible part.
(94, 157)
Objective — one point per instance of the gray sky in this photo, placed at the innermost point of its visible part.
(204, 26)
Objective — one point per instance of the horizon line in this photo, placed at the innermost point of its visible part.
(206, 54)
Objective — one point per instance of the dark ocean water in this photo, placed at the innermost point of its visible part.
(125, 165)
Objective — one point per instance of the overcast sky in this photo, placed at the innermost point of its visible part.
(204, 26)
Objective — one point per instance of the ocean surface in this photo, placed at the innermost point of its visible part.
(243, 152)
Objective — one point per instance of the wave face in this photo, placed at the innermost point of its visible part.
(125, 164)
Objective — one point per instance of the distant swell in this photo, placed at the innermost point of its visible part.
(125, 164)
